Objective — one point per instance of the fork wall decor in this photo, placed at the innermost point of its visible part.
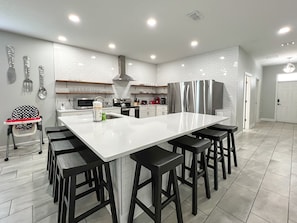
(27, 83)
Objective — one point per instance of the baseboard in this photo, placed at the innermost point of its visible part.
(267, 119)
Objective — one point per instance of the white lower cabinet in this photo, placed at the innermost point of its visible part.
(70, 112)
(147, 111)
(152, 110)
(161, 110)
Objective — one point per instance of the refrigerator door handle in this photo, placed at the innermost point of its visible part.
(186, 96)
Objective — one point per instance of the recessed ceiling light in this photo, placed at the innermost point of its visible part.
(112, 46)
(93, 57)
(222, 58)
(153, 56)
(74, 18)
(112, 68)
(203, 74)
(183, 65)
(151, 22)
(284, 30)
(288, 43)
(80, 64)
(194, 43)
(130, 64)
(62, 38)
(201, 70)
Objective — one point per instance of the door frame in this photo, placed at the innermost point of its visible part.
(258, 92)
(247, 100)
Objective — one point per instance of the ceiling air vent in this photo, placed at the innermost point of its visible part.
(195, 15)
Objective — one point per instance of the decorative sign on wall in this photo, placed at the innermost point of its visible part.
(42, 92)
(27, 83)
(11, 75)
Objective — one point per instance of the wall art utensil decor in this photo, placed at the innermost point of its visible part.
(42, 92)
(11, 74)
(27, 83)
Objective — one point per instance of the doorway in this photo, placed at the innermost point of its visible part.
(286, 102)
(247, 101)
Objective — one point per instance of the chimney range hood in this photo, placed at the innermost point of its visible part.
(122, 71)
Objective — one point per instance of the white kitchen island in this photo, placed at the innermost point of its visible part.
(115, 139)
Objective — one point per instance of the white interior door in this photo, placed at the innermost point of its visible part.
(286, 104)
(247, 102)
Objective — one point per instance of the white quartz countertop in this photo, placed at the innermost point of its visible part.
(115, 138)
(84, 110)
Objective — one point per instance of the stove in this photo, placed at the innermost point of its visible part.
(126, 107)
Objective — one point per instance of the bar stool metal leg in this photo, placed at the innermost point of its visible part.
(195, 184)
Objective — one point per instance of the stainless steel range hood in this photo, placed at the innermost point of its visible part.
(122, 70)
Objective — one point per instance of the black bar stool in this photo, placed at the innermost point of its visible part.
(216, 137)
(55, 136)
(158, 161)
(55, 129)
(69, 166)
(230, 142)
(196, 147)
(62, 147)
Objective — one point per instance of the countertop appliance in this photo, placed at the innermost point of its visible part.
(126, 107)
(201, 96)
(163, 101)
(83, 103)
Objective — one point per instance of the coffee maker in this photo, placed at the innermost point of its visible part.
(163, 101)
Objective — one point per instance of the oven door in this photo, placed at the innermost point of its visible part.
(125, 111)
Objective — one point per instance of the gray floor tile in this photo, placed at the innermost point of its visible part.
(24, 216)
(44, 210)
(219, 216)
(15, 182)
(294, 168)
(207, 205)
(249, 179)
(4, 209)
(4, 177)
(256, 166)
(280, 167)
(282, 157)
(245, 153)
(25, 189)
(34, 198)
(293, 211)
(238, 201)
(188, 217)
(255, 219)
(271, 206)
(276, 183)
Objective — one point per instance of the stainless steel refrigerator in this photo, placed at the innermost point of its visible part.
(201, 96)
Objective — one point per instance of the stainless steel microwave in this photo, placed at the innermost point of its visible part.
(83, 103)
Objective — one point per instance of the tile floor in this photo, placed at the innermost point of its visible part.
(263, 188)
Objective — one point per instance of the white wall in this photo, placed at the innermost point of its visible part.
(213, 67)
(72, 63)
(247, 64)
(267, 105)
(11, 95)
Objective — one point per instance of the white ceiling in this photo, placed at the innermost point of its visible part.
(251, 24)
